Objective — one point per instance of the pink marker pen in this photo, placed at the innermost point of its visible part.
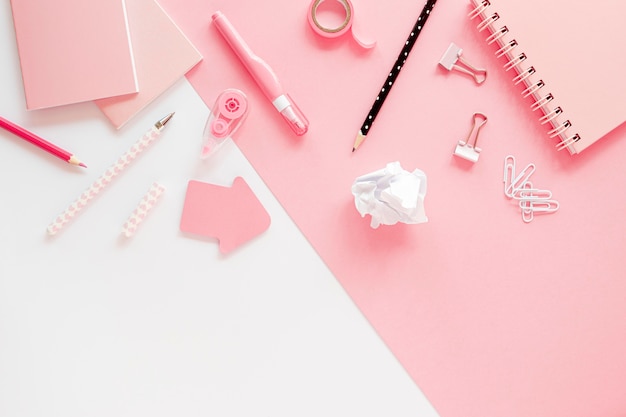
(263, 75)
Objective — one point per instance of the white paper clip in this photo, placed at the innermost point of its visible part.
(532, 194)
(531, 207)
(509, 173)
(451, 59)
(467, 149)
(540, 206)
(528, 213)
(518, 182)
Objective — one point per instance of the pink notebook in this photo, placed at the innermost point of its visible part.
(162, 56)
(73, 51)
(564, 55)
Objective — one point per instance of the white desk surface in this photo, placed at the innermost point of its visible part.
(93, 324)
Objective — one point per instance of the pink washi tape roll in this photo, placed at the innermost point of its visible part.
(340, 30)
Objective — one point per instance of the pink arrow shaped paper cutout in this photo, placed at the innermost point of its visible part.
(232, 215)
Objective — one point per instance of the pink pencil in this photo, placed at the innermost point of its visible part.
(42, 143)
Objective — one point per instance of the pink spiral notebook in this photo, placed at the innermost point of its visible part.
(73, 51)
(564, 55)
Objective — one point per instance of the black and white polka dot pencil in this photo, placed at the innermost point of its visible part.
(393, 74)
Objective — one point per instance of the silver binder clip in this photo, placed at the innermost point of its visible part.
(467, 148)
(451, 59)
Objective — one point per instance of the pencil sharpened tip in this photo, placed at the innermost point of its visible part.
(75, 161)
(360, 137)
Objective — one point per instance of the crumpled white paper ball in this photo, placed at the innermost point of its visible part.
(391, 195)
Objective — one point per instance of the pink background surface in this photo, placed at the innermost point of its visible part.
(490, 316)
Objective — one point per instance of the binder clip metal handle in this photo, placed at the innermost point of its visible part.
(468, 149)
(452, 59)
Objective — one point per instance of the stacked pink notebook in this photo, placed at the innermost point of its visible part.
(122, 54)
(162, 54)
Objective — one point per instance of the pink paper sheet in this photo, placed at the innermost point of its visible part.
(490, 316)
(233, 215)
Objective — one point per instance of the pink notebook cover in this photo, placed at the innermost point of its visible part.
(162, 56)
(572, 46)
(73, 50)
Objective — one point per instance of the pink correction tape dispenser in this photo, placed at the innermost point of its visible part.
(263, 75)
(228, 113)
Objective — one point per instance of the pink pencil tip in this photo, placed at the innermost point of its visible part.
(75, 161)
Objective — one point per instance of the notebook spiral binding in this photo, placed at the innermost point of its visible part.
(509, 49)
